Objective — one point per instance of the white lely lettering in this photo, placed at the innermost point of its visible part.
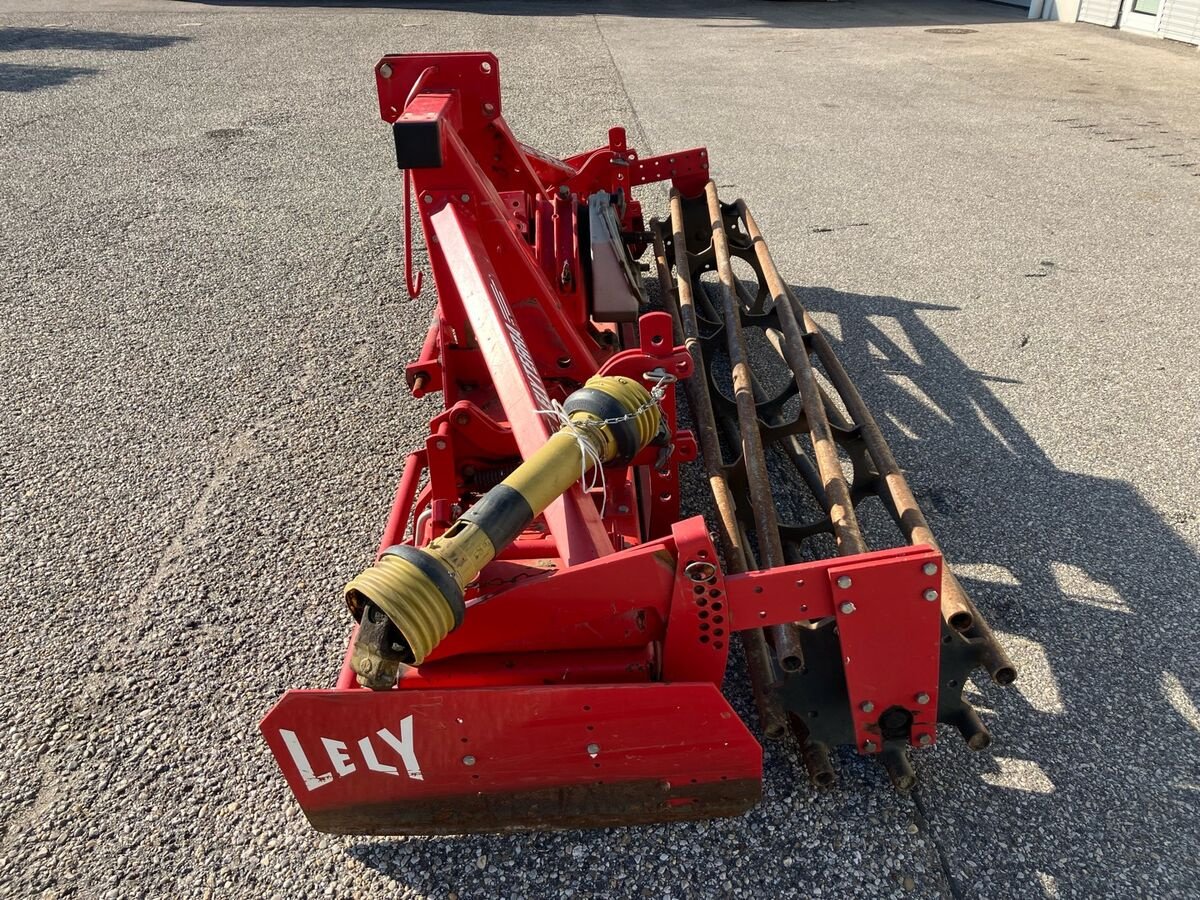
(303, 766)
(404, 747)
(368, 751)
(344, 764)
(336, 750)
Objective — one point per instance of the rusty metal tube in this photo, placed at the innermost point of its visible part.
(899, 768)
(974, 732)
(957, 608)
(788, 648)
(815, 755)
(754, 642)
(841, 509)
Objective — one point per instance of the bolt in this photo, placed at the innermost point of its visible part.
(922, 698)
(623, 510)
(465, 198)
(428, 198)
(930, 569)
(468, 760)
(924, 740)
(462, 419)
(931, 595)
(847, 608)
(593, 749)
(844, 582)
(439, 445)
(867, 706)
(489, 108)
(385, 71)
(870, 746)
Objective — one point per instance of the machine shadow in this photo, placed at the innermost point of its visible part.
(845, 14)
(1087, 586)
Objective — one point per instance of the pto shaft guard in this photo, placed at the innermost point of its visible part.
(421, 590)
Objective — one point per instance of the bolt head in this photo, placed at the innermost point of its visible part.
(468, 760)
(593, 749)
(924, 740)
(465, 198)
(867, 706)
(489, 108)
(930, 569)
(428, 198)
(922, 698)
(930, 595)
(870, 746)
(440, 445)
(847, 608)
(385, 71)
(844, 581)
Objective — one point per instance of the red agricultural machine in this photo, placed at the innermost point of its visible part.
(542, 639)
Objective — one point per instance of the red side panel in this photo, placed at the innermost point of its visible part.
(514, 758)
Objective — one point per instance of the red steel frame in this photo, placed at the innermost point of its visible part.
(583, 687)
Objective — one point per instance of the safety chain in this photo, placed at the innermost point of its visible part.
(588, 448)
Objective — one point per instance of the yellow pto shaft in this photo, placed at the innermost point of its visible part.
(420, 590)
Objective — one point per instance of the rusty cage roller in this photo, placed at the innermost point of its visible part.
(705, 235)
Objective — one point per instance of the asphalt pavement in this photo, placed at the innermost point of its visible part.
(203, 325)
